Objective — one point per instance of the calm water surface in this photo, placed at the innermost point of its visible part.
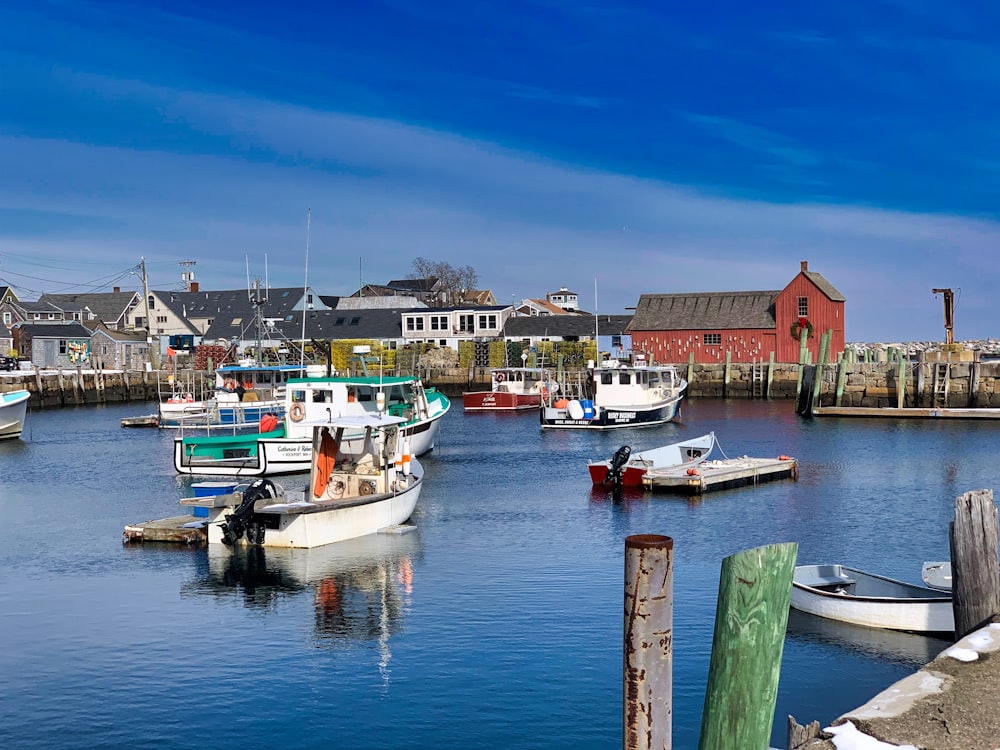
(496, 625)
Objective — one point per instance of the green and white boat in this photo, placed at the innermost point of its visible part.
(284, 445)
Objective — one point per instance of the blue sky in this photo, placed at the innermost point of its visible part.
(632, 146)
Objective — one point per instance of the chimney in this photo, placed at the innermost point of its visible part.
(194, 286)
(804, 265)
(117, 289)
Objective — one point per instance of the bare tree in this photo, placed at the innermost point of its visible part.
(453, 281)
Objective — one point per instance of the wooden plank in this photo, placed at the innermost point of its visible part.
(975, 572)
(906, 412)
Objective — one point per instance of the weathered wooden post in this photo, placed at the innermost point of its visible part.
(974, 378)
(727, 373)
(824, 343)
(648, 647)
(918, 396)
(975, 572)
(770, 374)
(841, 379)
(901, 383)
(690, 369)
(754, 594)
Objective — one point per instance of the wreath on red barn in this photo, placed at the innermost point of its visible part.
(798, 325)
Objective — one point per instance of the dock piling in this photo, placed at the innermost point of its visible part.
(754, 595)
(648, 647)
(975, 571)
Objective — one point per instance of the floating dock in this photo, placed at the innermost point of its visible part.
(906, 412)
(188, 530)
(723, 474)
(147, 420)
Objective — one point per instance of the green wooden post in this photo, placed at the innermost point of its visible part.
(754, 593)
(841, 378)
(803, 335)
(824, 343)
(770, 374)
(901, 383)
(726, 374)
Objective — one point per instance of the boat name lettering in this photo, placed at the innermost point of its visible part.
(621, 415)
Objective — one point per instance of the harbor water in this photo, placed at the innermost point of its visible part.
(496, 624)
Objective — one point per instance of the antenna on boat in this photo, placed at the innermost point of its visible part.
(305, 291)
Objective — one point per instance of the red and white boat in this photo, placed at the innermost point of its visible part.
(632, 467)
(511, 389)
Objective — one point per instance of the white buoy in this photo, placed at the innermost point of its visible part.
(380, 400)
(406, 456)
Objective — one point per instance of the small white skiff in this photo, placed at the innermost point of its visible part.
(850, 595)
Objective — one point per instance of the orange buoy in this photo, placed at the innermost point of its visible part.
(783, 457)
(692, 472)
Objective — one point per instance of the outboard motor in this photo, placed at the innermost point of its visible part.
(242, 520)
(618, 462)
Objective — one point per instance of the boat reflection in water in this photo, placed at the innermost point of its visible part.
(360, 587)
(907, 649)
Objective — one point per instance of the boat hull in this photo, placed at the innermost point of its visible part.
(631, 475)
(269, 454)
(904, 607)
(499, 401)
(13, 408)
(612, 417)
(326, 523)
(688, 452)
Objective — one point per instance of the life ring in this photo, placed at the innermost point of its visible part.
(297, 412)
(501, 377)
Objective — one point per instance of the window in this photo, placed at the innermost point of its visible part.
(712, 339)
(7, 319)
(442, 342)
(487, 321)
(439, 322)
(467, 323)
(161, 318)
(338, 322)
(151, 301)
(625, 378)
(803, 307)
(354, 321)
(62, 346)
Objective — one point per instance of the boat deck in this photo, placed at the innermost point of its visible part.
(177, 530)
(722, 474)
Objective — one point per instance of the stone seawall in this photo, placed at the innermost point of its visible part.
(863, 384)
(57, 388)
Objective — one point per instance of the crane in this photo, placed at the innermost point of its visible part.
(949, 313)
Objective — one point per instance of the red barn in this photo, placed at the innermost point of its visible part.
(750, 325)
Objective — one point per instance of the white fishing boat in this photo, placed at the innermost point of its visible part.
(13, 408)
(356, 487)
(616, 394)
(283, 445)
(511, 389)
(243, 394)
(627, 469)
(838, 592)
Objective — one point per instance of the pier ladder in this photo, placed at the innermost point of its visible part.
(941, 372)
(759, 380)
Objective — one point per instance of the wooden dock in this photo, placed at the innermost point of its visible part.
(146, 420)
(906, 412)
(177, 530)
(723, 474)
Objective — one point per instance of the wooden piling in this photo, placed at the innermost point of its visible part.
(750, 620)
(770, 374)
(690, 374)
(820, 367)
(648, 647)
(975, 572)
(727, 373)
(841, 381)
(901, 383)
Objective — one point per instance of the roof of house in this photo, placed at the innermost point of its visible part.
(393, 301)
(72, 330)
(6, 291)
(118, 335)
(566, 325)
(477, 297)
(106, 306)
(824, 286)
(708, 310)
(414, 285)
(551, 307)
(233, 302)
(320, 324)
(37, 306)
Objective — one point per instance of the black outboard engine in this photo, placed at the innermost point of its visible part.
(618, 462)
(242, 519)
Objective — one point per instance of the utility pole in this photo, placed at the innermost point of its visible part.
(949, 314)
(154, 355)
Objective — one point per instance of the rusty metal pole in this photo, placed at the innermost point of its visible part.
(648, 643)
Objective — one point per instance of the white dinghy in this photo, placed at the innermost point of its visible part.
(850, 595)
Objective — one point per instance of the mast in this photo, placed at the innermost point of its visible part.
(305, 291)
(597, 319)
